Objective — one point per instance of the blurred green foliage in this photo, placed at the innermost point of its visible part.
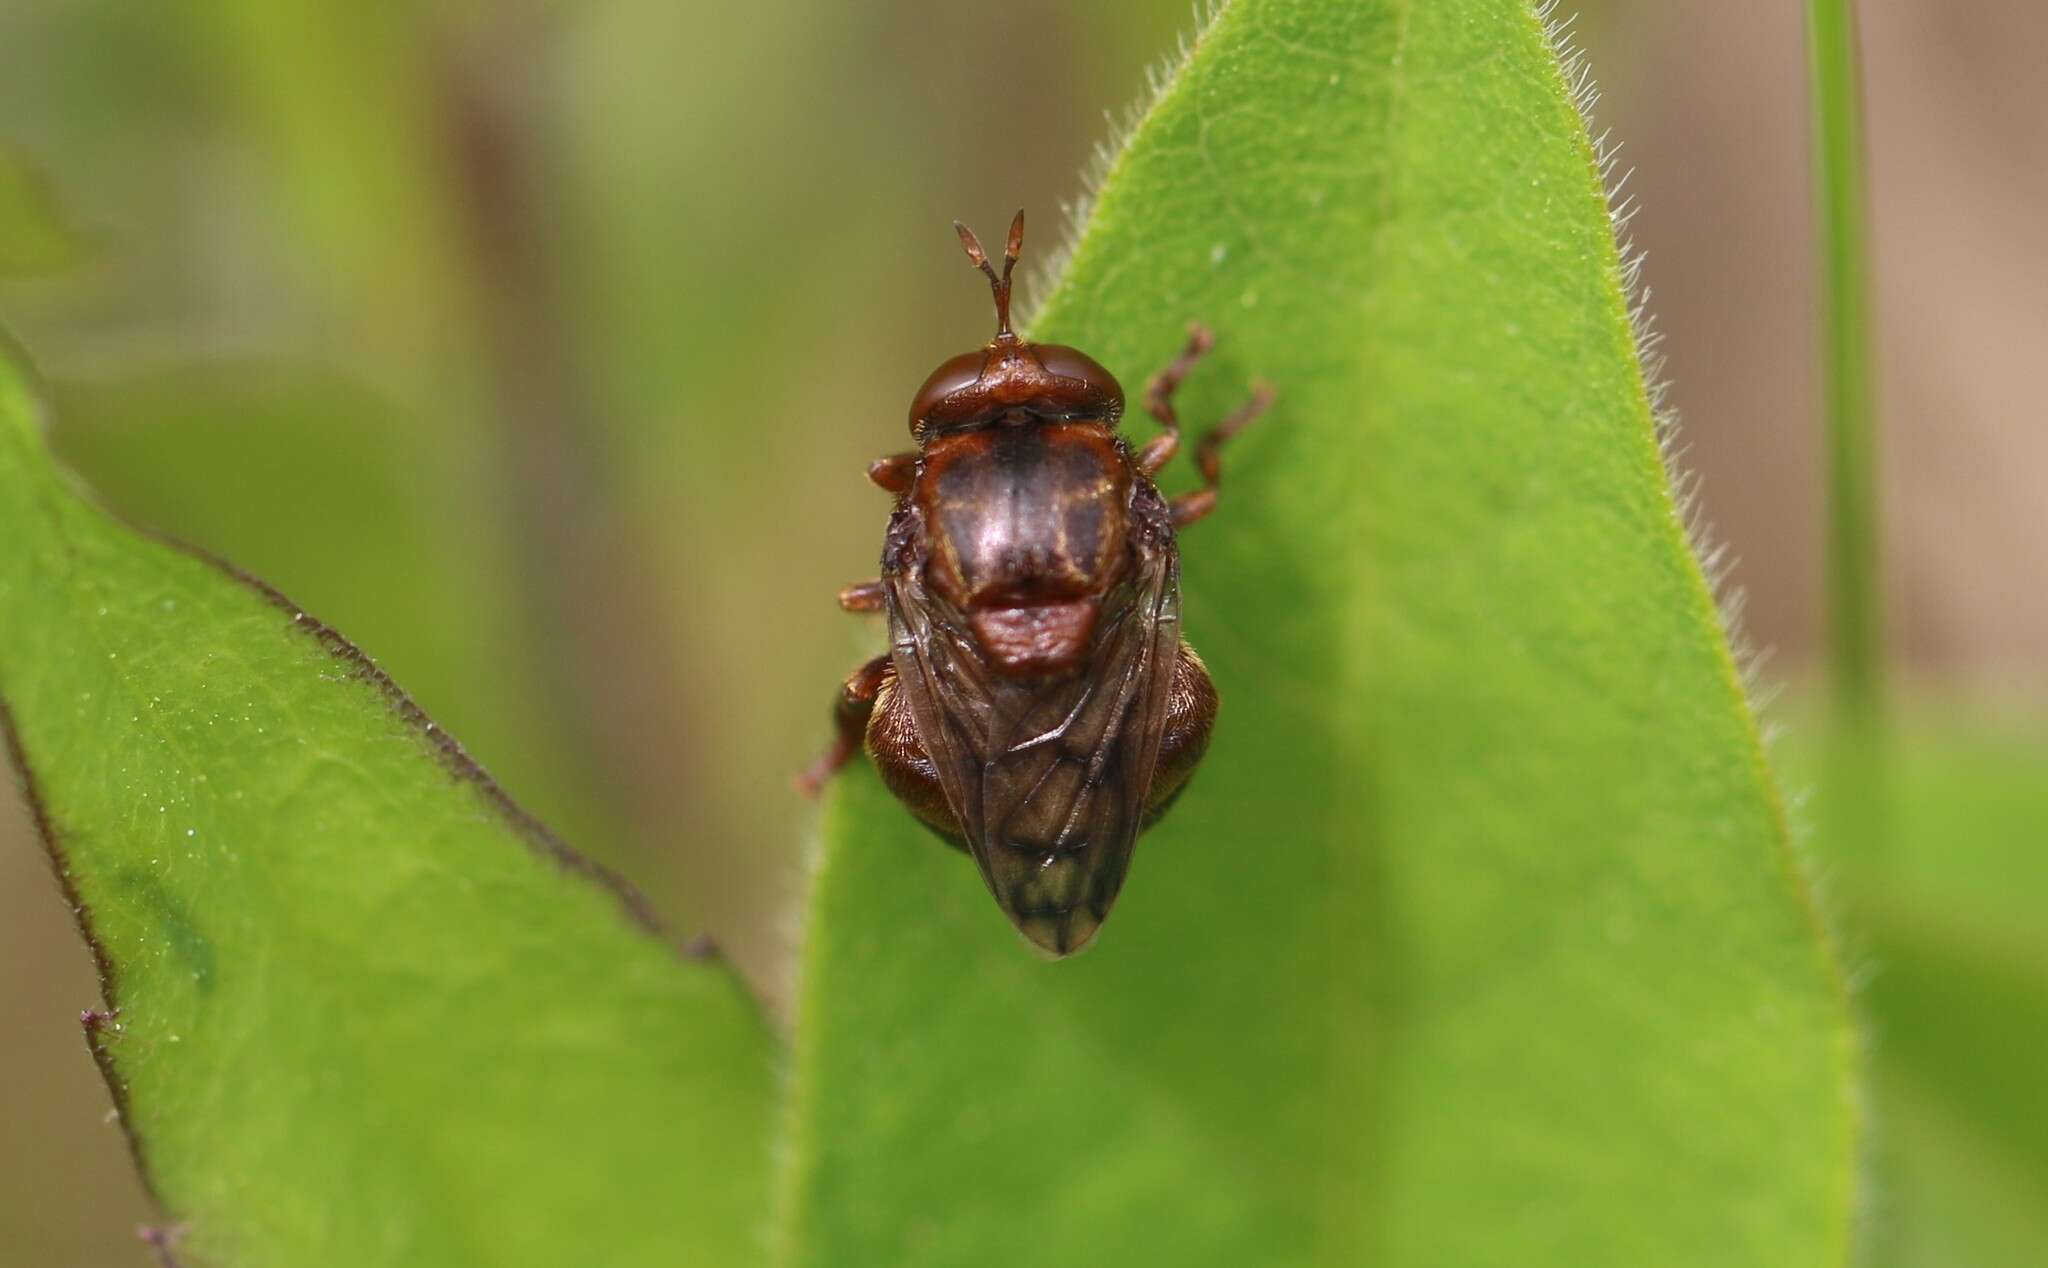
(1945, 928)
(35, 236)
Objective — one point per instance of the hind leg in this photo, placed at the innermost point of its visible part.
(850, 718)
(870, 712)
(1190, 716)
(899, 755)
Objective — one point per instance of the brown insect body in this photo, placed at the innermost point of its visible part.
(1037, 705)
(1026, 523)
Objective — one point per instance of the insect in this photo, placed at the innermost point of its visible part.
(1037, 705)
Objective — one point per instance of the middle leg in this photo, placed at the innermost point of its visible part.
(862, 596)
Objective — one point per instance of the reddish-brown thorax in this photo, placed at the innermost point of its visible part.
(1026, 525)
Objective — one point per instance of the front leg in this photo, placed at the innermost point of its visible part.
(895, 472)
(1159, 400)
(1189, 507)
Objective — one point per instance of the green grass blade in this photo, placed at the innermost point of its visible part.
(1478, 939)
(1854, 610)
(368, 1013)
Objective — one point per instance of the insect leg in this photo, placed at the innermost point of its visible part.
(906, 768)
(861, 596)
(850, 715)
(894, 472)
(1189, 507)
(1159, 400)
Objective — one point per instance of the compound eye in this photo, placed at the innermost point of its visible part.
(1104, 393)
(953, 375)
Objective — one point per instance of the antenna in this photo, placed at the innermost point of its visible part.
(999, 286)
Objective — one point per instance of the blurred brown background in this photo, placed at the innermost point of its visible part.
(539, 347)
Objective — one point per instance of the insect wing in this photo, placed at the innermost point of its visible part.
(1048, 776)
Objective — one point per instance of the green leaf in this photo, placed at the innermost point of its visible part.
(322, 487)
(1961, 1018)
(1478, 939)
(35, 235)
(368, 1012)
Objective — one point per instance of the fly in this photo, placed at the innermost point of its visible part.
(1037, 706)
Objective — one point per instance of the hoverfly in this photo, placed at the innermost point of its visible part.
(1037, 705)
